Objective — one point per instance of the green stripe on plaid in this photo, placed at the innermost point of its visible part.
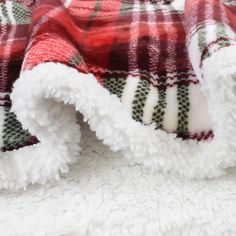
(143, 8)
(183, 108)
(221, 33)
(13, 134)
(159, 109)
(125, 8)
(202, 41)
(97, 9)
(76, 60)
(20, 13)
(115, 85)
(221, 40)
(140, 98)
(94, 14)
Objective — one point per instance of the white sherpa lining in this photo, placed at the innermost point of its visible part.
(102, 195)
(1, 124)
(39, 97)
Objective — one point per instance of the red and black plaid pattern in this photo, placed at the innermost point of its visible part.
(114, 40)
(104, 37)
(212, 28)
(14, 24)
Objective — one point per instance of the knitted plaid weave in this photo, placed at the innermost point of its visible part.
(14, 20)
(147, 53)
(137, 39)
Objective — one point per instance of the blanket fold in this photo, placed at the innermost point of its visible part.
(155, 80)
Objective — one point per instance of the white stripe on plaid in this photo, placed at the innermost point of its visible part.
(178, 5)
(10, 12)
(198, 115)
(151, 102)
(195, 55)
(170, 122)
(1, 125)
(129, 93)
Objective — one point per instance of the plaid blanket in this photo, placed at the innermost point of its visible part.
(149, 54)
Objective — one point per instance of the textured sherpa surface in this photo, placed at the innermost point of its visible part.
(103, 195)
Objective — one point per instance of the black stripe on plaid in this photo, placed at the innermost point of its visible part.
(14, 136)
(140, 98)
(115, 85)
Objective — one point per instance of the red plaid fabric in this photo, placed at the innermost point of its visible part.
(14, 24)
(118, 31)
(115, 39)
(217, 18)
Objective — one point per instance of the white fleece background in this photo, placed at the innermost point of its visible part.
(102, 195)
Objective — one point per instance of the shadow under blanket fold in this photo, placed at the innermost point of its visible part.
(155, 80)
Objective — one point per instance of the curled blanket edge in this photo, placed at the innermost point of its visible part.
(46, 104)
